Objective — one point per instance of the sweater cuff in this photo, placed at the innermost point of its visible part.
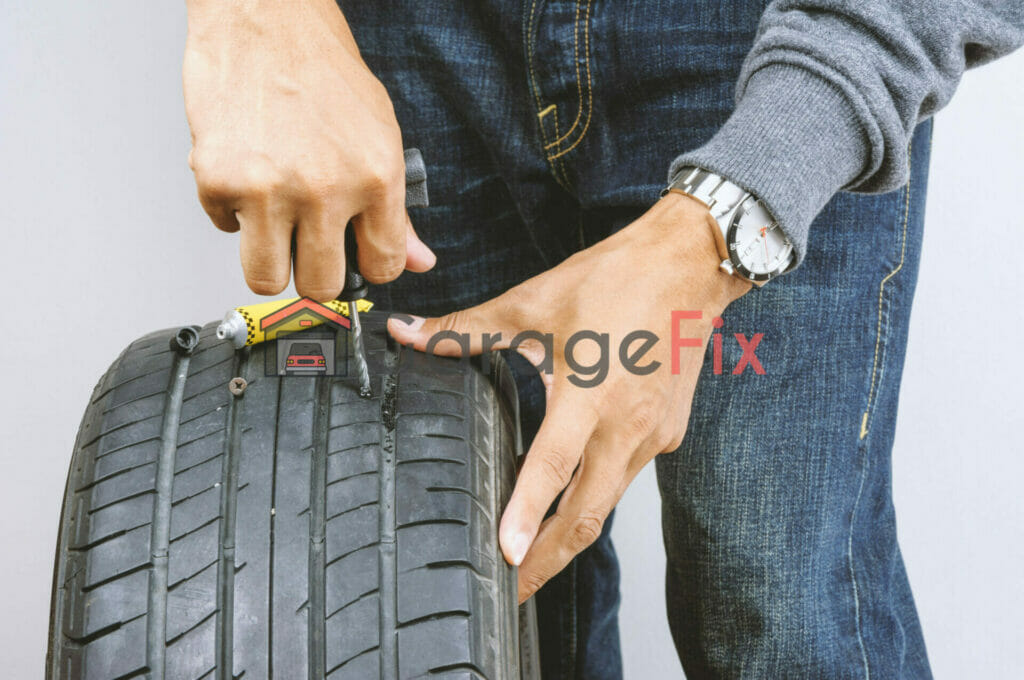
(793, 141)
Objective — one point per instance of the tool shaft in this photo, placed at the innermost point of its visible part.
(360, 355)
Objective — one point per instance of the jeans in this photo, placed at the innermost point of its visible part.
(547, 125)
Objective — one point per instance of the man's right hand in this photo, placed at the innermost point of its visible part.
(292, 137)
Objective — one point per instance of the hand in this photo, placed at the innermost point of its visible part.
(594, 440)
(293, 136)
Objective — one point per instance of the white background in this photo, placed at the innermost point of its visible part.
(103, 240)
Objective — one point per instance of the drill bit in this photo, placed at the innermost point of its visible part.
(355, 288)
(360, 353)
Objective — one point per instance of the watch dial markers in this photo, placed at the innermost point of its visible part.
(760, 247)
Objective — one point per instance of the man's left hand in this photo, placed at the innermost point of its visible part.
(600, 428)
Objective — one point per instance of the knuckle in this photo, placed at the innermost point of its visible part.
(584, 530)
(383, 175)
(668, 439)
(534, 581)
(556, 468)
(213, 183)
(317, 189)
(516, 307)
(452, 323)
(384, 268)
(261, 178)
(642, 421)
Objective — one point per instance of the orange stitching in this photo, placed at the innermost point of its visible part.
(590, 92)
(558, 169)
(558, 166)
(576, 59)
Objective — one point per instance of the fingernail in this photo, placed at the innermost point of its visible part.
(408, 321)
(520, 544)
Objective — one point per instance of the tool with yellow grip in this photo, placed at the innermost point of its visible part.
(242, 324)
(245, 325)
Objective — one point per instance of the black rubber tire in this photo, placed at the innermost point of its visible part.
(294, 531)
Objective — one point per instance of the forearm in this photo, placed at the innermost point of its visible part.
(831, 91)
(213, 20)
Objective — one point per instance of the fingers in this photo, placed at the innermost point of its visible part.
(265, 247)
(381, 227)
(418, 257)
(595, 489)
(484, 328)
(555, 453)
(258, 199)
(222, 216)
(320, 255)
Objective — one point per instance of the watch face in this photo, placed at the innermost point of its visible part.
(758, 248)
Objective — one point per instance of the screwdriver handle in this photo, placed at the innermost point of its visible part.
(415, 196)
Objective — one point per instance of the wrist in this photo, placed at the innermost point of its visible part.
(681, 229)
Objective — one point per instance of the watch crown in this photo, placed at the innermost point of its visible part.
(726, 266)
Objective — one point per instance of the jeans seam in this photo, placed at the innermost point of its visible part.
(579, 87)
(876, 368)
(853, 573)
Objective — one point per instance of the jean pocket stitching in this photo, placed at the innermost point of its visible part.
(530, 33)
(555, 145)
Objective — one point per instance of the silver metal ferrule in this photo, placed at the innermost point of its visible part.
(233, 328)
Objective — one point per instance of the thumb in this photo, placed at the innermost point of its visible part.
(468, 331)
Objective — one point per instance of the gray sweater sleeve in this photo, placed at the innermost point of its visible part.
(831, 91)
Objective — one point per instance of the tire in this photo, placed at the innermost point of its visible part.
(294, 531)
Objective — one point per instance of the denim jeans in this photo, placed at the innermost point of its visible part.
(547, 125)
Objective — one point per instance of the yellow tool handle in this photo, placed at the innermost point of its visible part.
(241, 325)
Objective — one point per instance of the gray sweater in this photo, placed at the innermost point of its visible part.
(831, 91)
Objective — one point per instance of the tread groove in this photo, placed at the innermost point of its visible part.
(226, 570)
(185, 579)
(317, 597)
(442, 520)
(270, 561)
(194, 530)
(387, 559)
(122, 499)
(435, 616)
(118, 575)
(353, 509)
(156, 628)
(348, 604)
(349, 552)
(466, 492)
(111, 475)
(352, 658)
(191, 628)
(464, 666)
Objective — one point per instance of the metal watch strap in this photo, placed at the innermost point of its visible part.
(721, 197)
(719, 194)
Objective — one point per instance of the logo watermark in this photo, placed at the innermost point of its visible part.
(589, 370)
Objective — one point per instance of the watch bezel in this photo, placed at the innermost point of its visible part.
(745, 206)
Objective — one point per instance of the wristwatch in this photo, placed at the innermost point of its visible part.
(749, 240)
